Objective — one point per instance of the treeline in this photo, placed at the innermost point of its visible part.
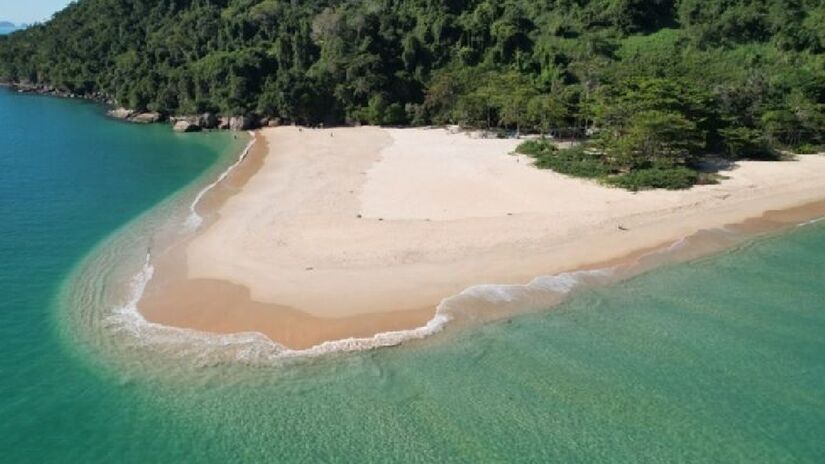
(657, 82)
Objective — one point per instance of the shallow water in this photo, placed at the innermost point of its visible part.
(718, 360)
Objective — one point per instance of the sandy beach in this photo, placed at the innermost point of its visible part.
(325, 234)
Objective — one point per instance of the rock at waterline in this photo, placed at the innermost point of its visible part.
(239, 123)
(146, 118)
(186, 126)
(208, 121)
(121, 113)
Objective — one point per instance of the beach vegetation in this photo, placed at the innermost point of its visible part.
(671, 178)
(588, 161)
(536, 148)
(808, 149)
(576, 161)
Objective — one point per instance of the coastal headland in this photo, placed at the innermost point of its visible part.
(327, 234)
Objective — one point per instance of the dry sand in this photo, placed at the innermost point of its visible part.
(328, 234)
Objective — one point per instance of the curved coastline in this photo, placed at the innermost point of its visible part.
(541, 293)
(488, 302)
(195, 220)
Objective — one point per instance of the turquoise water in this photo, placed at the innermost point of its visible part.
(718, 360)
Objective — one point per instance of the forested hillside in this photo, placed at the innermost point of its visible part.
(658, 81)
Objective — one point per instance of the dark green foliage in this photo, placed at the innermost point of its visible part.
(581, 161)
(576, 161)
(808, 149)
(673, 178)
(745, 142)
(536, 148)
(658, 83)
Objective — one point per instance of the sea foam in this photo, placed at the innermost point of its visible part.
(811, 222)
(195, 220)
(254, 347)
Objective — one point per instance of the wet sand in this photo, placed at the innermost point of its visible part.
(328, 234)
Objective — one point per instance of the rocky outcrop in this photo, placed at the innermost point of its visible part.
(146, 118)
(121, 113)
(186, 126)
(239, 123)
(208, 121)
(269, 122)
(179, 123)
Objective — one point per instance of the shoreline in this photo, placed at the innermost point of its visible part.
(194, 123)
(177, 298)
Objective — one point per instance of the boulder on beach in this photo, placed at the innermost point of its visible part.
(223, 123)
(186, 126)
(239, 123)
(121, 113)
(146, 118)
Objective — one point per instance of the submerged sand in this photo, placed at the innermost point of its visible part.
(348, 232)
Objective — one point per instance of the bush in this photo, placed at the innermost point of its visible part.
(808, 149)
(579, 161)
(746, 142)
(675, 178)
(535, 148)
(576, 161)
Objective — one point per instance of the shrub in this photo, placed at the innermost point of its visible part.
(579, 161)
(808, 149)
(535, 147)
(576, 161)
(675, 178)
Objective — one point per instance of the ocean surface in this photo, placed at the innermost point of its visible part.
(721, 359)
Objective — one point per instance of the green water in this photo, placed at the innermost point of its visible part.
(718, 360)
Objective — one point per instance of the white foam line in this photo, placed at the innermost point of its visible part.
(195, 220)
(127, 317)
(812, 221)
(249, 345)
(255, 346)
(379, 340)
(560, 283)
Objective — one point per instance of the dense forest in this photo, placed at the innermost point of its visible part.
(653, 84)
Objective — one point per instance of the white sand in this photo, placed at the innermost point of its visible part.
(441, 212)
